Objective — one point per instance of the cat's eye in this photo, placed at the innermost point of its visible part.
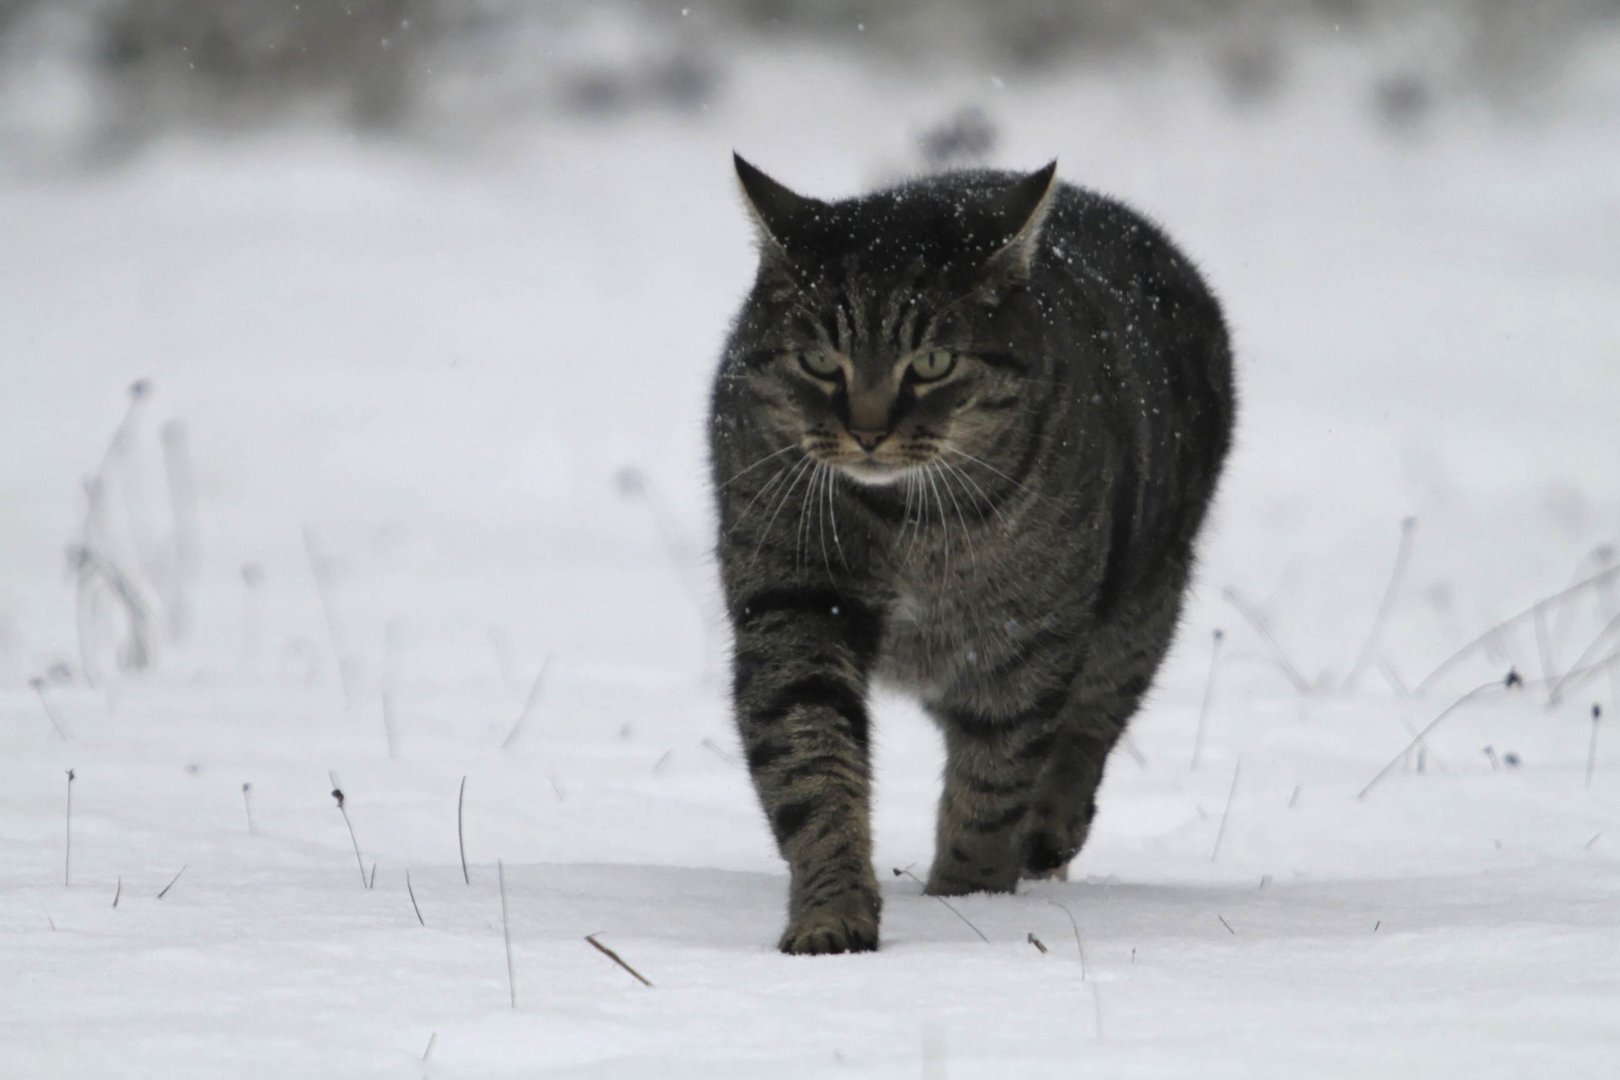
(933, 365)
(821, 365)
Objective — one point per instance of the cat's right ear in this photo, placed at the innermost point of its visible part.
(776, 210)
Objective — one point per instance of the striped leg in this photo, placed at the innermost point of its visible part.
(990, 775)
(1064, 802)
(800, 683)
(1065, 796)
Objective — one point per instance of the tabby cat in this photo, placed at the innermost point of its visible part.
(963, 434)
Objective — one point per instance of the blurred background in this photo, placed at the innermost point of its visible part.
(92, 81)
(419, 300)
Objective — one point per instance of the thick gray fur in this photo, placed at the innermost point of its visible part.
(1009, 543)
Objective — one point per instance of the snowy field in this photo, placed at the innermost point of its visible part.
(425, 421)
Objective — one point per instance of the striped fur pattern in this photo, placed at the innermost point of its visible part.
(964, 434)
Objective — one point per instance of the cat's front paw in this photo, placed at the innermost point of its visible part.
(836, 928)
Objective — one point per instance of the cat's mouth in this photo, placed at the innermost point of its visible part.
(877, 467)
(874, 472)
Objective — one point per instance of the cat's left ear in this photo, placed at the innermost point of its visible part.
(1018, 214)
(778, 212)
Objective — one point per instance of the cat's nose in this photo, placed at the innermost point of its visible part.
(868, 438)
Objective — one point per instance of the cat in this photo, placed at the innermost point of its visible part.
(963, 435)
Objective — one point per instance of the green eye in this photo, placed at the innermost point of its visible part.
(933, 365)
(821, 365)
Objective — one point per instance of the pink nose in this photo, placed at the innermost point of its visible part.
(868, 439)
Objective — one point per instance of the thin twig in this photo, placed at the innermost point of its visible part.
(247, 806)
(1576, 677)
(182, 490)
(719, 752)
(461, 836)
(1226, 924)
(414, 908)
(37, 685)
(119, 891)
(1394, 677)
(1035, 941)
(67, 854)
(506, 933)
(1231, 793)
(1451, 661)
(1384, 605)
(616, 958)
(1079, 948)
(1209, 692)
(1293, 800)
(323, 586)
(371, 882)
(165, 890)
(529, 703)
(1494, 684)
(1543, 646)
(1591, 747)
(337, 793)
(433, 1038)
(390, 677)
(1253, 618)
(1557, 690)
(949, 906)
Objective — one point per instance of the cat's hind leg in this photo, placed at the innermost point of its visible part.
(1064, 800)
(991, 772)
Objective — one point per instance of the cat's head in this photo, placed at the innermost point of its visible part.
(875, 338)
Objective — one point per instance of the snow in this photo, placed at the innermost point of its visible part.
(476, 376)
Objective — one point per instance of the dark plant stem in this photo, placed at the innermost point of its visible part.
(1075, 926)
(1457, 657)
(412, 893)
(506, 934)
(461, 836)
(1555, 694)
(67, 855)
(337, 794)
(1220, 834)
(1483, 688)
(1591, 747)
(170, 885)
(617, 959)
(37, 685)
(390, 675)
(529, 703)
(1253, 618)
(949, 906)
(1209, 693)
(323, 587)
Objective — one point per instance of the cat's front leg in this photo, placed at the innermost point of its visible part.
(799, 689)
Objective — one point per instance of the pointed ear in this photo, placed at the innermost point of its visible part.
(1018, 215)
(775, 209)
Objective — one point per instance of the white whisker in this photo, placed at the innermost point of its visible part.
(798, 474)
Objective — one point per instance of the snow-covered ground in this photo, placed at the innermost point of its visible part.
(445, 404)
